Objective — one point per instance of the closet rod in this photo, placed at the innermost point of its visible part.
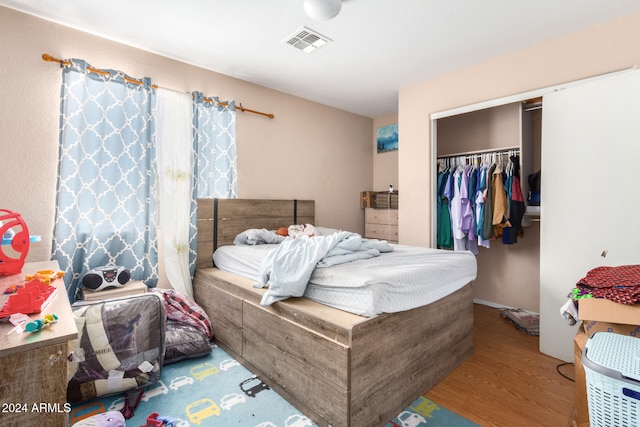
(489, 150)
(48, 58)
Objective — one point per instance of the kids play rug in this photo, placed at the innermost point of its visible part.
(216, 390)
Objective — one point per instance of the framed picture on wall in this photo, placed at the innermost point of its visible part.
(387, 138)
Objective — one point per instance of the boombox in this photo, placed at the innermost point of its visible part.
(105, 277)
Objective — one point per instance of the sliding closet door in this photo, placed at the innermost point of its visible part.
(590, 192)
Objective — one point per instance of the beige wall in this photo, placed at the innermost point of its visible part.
(497, 127)
(601, 49)
(309, 151)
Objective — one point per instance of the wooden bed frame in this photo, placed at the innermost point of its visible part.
(338, 368)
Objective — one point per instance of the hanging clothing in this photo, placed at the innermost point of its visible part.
(471, 191)
(480, 206)
(473, 186)
(517, 207)
(462, 213)
(456, 207)
(466, 209)
(489, 232)
(445, 235)
(500, 203)
(477, 203)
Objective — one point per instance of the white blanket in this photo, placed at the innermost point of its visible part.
(287, 269)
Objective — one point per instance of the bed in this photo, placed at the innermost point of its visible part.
(337, 367)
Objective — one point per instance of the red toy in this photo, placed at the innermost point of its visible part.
(153, 421)
(11, 223)
(33, 297)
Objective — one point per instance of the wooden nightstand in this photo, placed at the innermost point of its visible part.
(381, 224)
(33, 366)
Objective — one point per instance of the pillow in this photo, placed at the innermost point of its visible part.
(325, 231)
(298, 230)
(257, 236)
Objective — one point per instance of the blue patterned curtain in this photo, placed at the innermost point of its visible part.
(215, 145)
(106, 209)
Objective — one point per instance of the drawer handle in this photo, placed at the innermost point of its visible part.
(54, 358)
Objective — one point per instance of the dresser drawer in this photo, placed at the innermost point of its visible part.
(382, 232)
(381, 216)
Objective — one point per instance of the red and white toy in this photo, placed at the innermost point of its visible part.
(14, 233)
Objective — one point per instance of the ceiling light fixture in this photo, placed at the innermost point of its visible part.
(322, 10)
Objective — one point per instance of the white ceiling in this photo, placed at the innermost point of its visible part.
(379, 46)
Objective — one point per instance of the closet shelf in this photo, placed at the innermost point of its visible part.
(532, 213)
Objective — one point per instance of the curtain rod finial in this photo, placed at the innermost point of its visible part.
(48, 58)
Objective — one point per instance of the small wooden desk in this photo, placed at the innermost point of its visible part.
(33, 366)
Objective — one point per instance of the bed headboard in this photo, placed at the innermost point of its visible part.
(220, 220)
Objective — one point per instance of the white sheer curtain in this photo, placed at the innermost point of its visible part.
(175, 179)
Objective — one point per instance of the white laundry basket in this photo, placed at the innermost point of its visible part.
(612, 368)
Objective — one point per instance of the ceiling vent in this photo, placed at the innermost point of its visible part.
(306, 40)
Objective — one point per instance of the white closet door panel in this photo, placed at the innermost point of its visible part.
(590, 192)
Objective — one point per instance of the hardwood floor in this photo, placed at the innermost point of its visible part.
(507, 381)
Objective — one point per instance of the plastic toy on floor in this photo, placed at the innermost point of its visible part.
(106, 419)
(155, 420)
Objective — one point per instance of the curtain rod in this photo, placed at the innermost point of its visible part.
(487, 151)
(48, 58)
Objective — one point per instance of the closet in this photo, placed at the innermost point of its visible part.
(585, 141)
(508, 274)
